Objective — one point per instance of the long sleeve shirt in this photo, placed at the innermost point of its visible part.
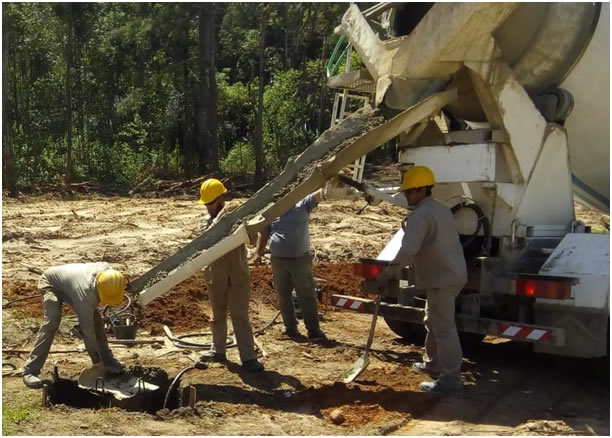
(431, 243)
(75, 284)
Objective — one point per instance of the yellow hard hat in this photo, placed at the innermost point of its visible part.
(111, 286)
(417, 176)
(210, 190)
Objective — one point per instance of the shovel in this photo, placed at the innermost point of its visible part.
(362, 363)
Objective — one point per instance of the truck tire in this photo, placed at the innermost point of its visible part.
(410, 331)
(470, 341)
(600, 366)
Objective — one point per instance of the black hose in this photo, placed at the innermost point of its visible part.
(483, 222)
(261, 330)
(20, 299)
(202, 346)
(178, 376)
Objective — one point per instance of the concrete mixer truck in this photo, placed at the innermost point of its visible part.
(527, 133)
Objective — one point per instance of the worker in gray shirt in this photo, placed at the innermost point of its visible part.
(83, 286)
(431, 243)
(292, 266)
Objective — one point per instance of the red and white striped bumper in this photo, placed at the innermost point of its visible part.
(525, 333)
(348, 303)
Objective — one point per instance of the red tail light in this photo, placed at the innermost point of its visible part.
(367, 271)
(553, 289)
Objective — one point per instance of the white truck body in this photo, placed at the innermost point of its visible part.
(522, 167)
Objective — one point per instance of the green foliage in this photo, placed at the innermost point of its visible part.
(289, 103)
(240, 160)
(135, 86)
(235, 112)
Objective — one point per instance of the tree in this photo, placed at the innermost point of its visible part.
(8, 158)
(207, 138)
(259, 171)
(64, 12)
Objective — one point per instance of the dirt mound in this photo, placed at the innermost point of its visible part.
(181, 309)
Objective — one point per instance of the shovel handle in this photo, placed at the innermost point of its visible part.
(373, 326)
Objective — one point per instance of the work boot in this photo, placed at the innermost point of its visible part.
(291, 332)
(423, 367)
(213, 356)
(252, 365)
(441, 387)
(32, 381)
(316, 335)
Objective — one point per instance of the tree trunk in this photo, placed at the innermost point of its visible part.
(189, 144)
(69, 61)
(207, 133)
(204, 53)
(212, 74)
(259, 171)
(83, 153)
(322, 94)
(8, 157)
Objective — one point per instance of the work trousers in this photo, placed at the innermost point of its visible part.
(228, 285)
(442, 345)
(290, 273)
(52, 308)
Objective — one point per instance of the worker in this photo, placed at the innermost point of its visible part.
(83, 286)
(431, 243)
(292, 266)
(228, 285)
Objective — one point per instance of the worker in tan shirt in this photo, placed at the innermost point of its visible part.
(431, 243)
(228, 285)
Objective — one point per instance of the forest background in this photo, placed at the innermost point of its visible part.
(112, 93)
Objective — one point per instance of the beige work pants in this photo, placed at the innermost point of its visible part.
(442, 344)
(228, 289)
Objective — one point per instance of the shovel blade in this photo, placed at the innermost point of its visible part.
(358, 367)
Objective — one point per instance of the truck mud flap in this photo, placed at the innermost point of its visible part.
(517, 331)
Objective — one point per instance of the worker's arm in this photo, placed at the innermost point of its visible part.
(260, 247)
(88, 328)
(415, 229)
(318, 196)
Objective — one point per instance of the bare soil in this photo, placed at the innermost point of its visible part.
(509, 390)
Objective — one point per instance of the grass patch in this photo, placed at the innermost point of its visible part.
(12, 416)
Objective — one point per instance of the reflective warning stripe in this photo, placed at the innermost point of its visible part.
(517, 331)
(349, 304)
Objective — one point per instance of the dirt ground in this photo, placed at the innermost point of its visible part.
(509, 390)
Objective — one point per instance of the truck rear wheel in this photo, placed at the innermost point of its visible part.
(470, 341)
(409, 331)
(416, 333)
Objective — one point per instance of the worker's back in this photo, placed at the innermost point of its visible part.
(74, 283)
(439, 262)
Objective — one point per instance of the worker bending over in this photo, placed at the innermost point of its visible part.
(292, 265)
(83, 286)
(228, 285)
(431, 243)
